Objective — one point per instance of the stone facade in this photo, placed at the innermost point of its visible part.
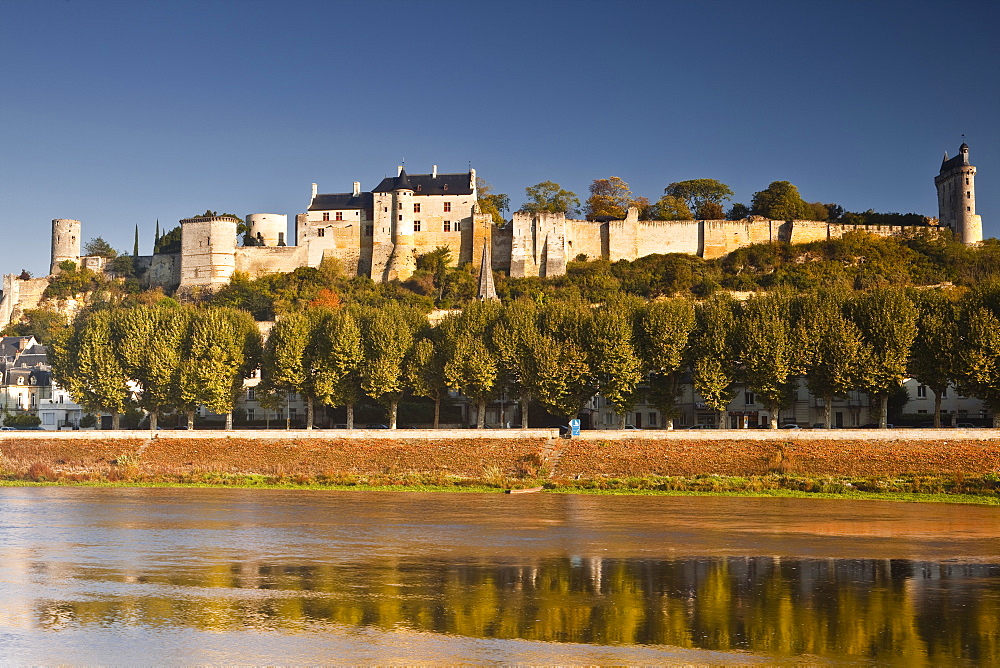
(956, 189)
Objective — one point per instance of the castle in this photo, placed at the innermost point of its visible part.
(380, 233)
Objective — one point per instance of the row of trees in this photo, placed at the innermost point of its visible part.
(558, 354)
(701, 199)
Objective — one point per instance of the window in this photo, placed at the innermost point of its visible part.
(48, 418)
(385, 209)
(400, 206)
(250, 415)
(340, 215)
(966, 180)
(20, 380)
(321, 232)
(368, 230)
(447, 207)
(748, 398)
(416, 208)
(944, 393)
(281, 238)
(922, 412)
(416, 226)
(652, 419)
(968, 194)
(400, 216)
(609, 418)
(968, 208)
(251, 394)
(447, 226)
(921, 391)
(293, 413)
(326, 215)
(457, 227)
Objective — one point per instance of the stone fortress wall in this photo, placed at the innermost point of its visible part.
(381, 233)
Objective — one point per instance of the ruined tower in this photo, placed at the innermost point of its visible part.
(956, 188)
(65, 242)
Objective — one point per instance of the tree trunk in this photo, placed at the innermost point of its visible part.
(883, 421)
(996, 420)
(116, 420)
(668, 424)
(481, 414)
(437, 412)
(190, 419)
(524, 413)
(827, 411)
(774, 416)
(393, 407)
(309, 413)
(229, 421)
(152, 421)
(937, 410)
(350, 416)
(723, 420)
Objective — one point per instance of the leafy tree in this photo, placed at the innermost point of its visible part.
(335, 356)
(387, 337)
(436, 262)
(616, 362)
(149, 340)
(43, 324)
(703, 196)
(979, 356)
(934, 355)
(670, 207)
(560, 375)
(513, 339)
(831, 352)
(221, 349)
(767, 350)
(123, 266)
(169, 242)
(886, 318)
(99, 247)
(738, 212)
(664, 330)
(494, 204)
(84, 361)
(712, 354)
(780, 201)
(135, 243)
(471, 368)
(609, 198)
(425, 371)
(548, 197)
(285, 365)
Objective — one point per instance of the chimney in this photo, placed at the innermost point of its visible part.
(357, 188)
(434, 172)
(399, 170)
(315, 188)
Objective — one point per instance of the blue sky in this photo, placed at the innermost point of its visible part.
(122, 113)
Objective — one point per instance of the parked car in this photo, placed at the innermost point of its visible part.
(7, 429)
(631, 427)
(701, 426)
(965, 425)
(790, 426)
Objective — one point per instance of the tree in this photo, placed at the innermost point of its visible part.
(222, 348)
(609, 198)
(670, 207)
(387, 336)
(979, 356)
(886, 318)
(665, 328)
(285, 363)
(436, 262)
(135, 244)
(169, 242)
(335, 355)
(738, 212)
(830, 350)
(494, 204)
(471, 368)
(150, 339)
(43, 324)
(559, 374)
(780, 201)
(548, 197)
(514, 340)
(703, 196)
(99, 247)
(934, 356)
(767, 350)
(615, 360)
(712, 354)
(425, 371)
(85, 361)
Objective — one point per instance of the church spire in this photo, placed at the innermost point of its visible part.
(487, 290)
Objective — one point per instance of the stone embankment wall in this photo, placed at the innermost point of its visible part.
(471, 453)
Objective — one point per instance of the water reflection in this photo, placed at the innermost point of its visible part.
(918, 612)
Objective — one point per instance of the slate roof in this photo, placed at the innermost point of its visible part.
(427, 184)
(960, 160)
(336, 201)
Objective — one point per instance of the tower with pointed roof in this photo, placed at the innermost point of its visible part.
(956, 188)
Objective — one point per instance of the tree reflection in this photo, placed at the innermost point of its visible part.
(922, 613)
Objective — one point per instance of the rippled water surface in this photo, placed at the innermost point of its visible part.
(221, 576)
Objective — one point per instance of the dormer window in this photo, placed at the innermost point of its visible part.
(20, 380)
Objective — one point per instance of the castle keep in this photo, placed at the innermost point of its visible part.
(380, 233)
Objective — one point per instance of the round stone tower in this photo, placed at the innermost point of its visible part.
(65, 242)
(268, 229)
(402, 262)
(956, 187)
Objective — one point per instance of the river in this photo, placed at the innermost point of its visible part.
(233, 576)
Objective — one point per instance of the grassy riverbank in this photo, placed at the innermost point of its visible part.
(957, 471)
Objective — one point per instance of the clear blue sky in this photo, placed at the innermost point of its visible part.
(122, 113)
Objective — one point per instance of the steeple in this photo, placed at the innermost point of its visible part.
(403, 183)
(487, 290)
